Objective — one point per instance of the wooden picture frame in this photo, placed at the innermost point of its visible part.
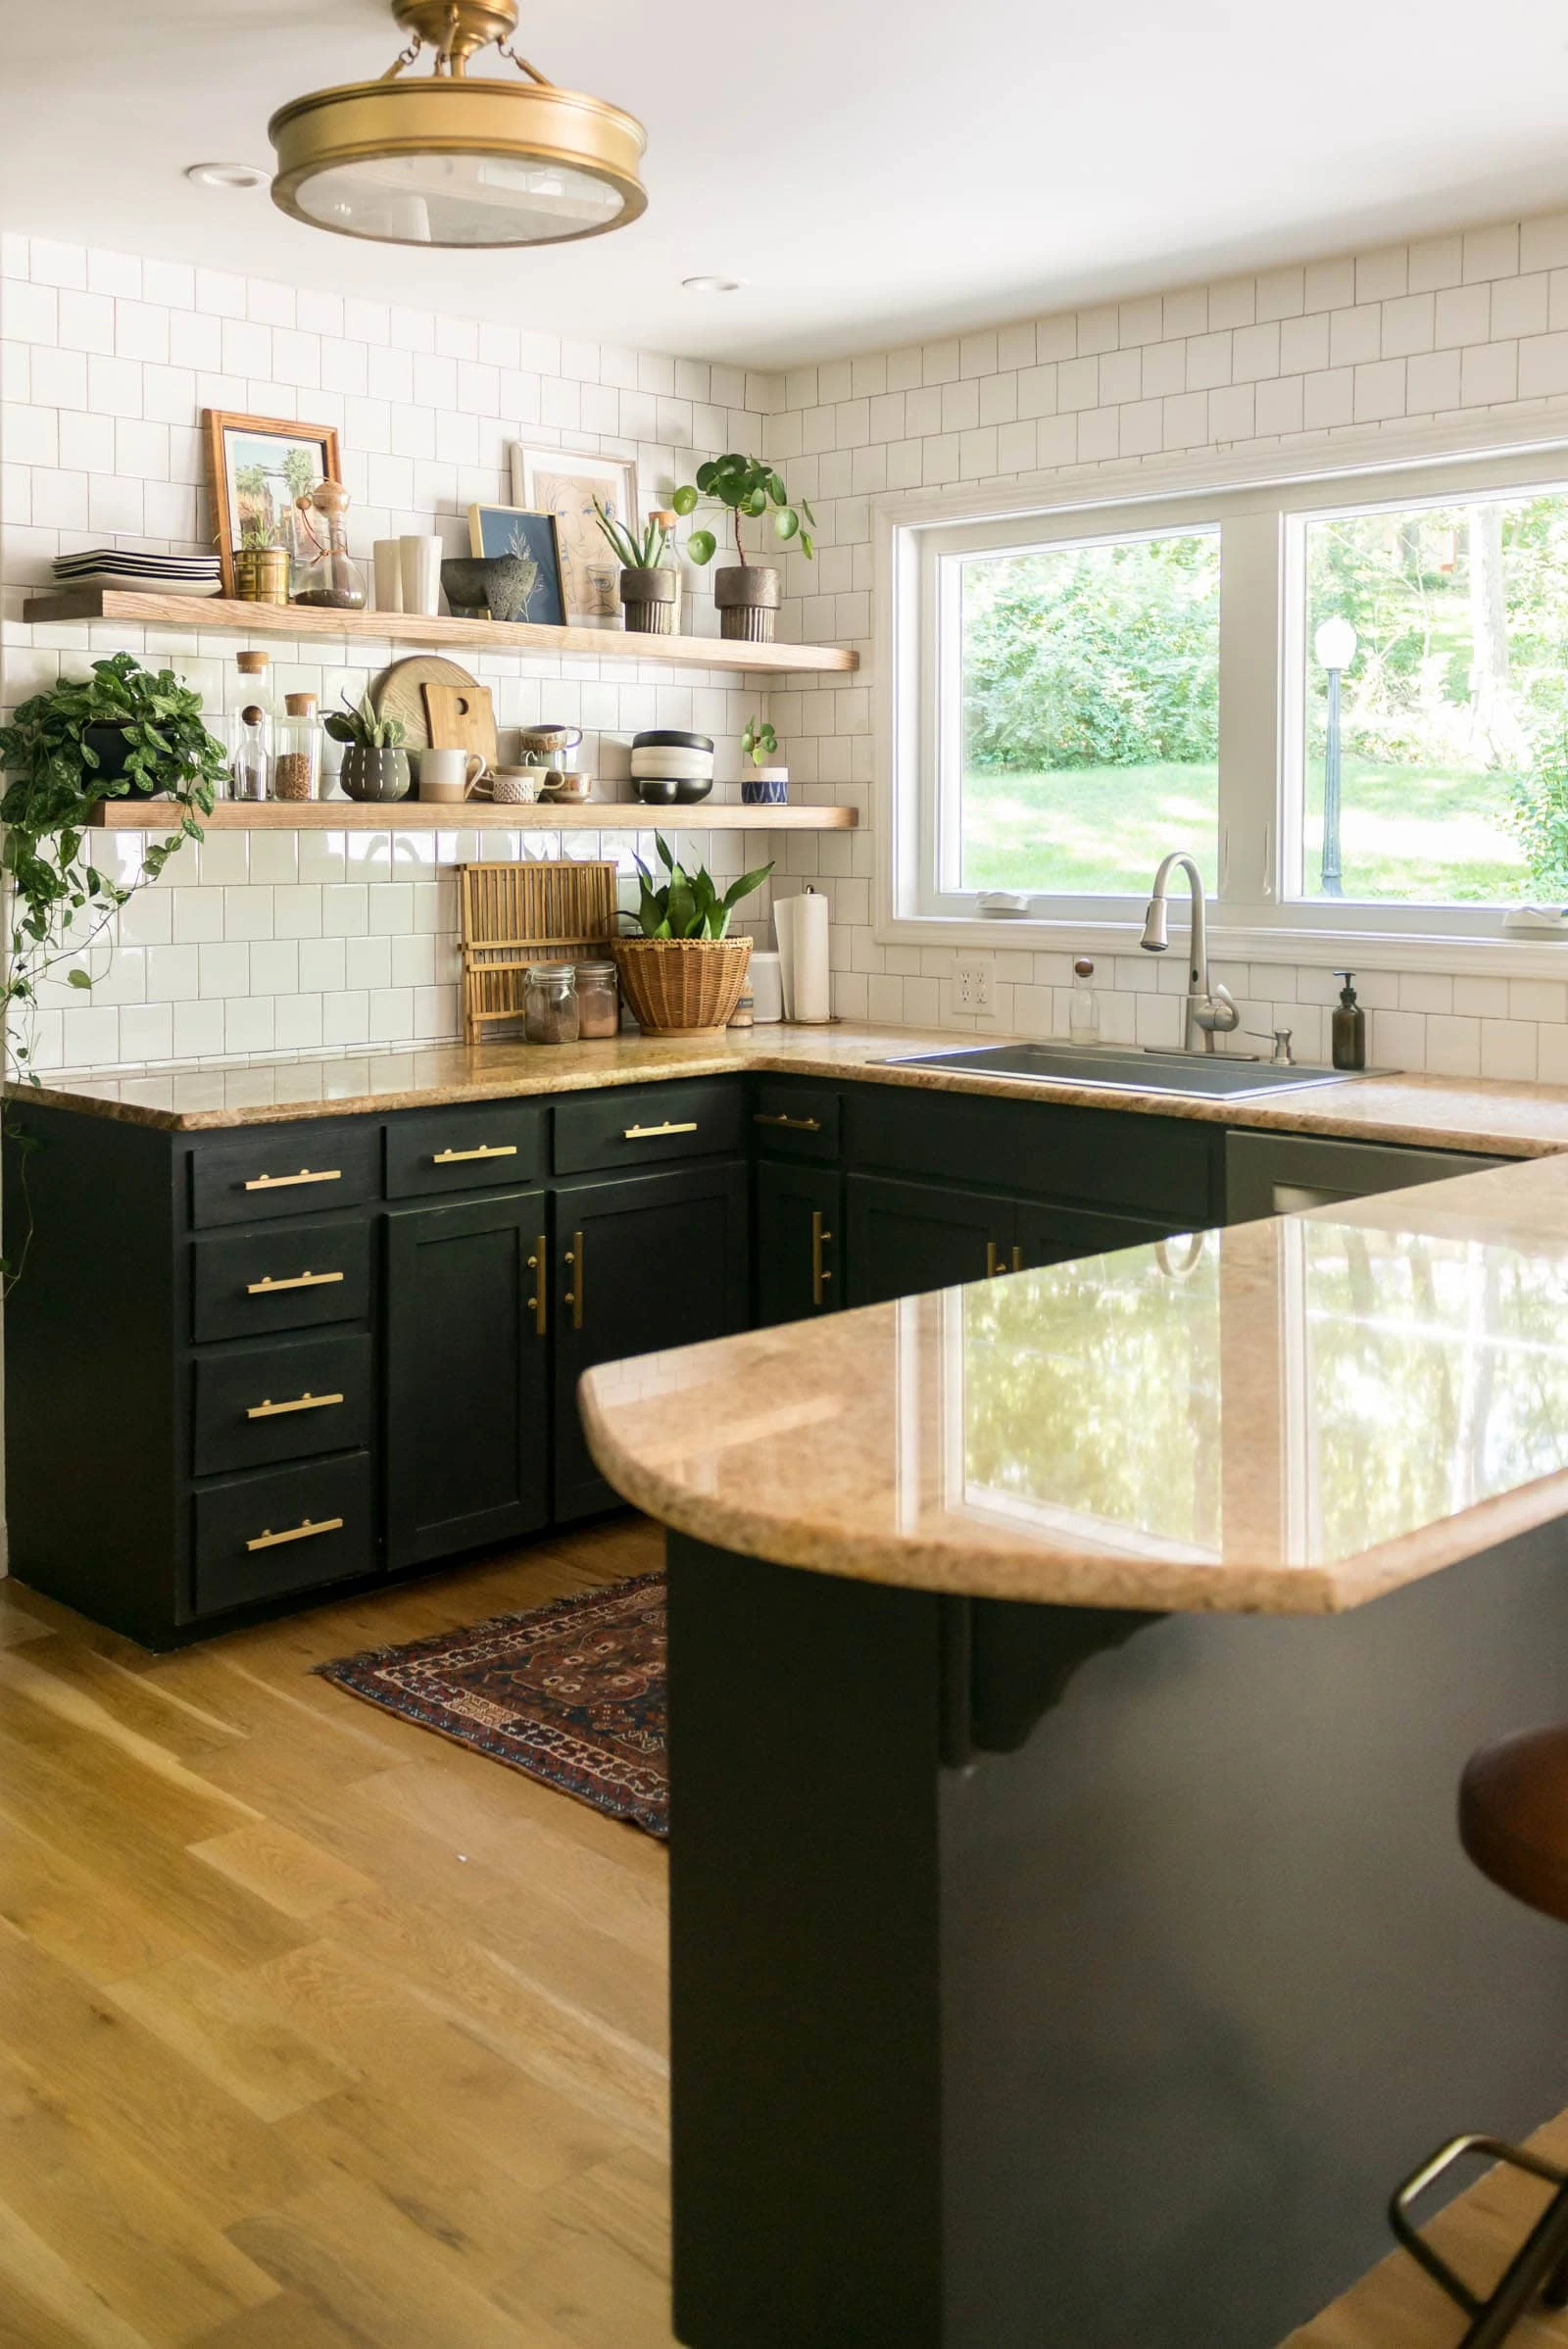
(236, 444)
(496, 531)
(565, 482)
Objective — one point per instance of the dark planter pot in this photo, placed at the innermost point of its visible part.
(375, 775)
(748, 597)
(111, 747)
(650, 599)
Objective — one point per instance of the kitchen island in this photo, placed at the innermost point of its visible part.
(1070, 1679)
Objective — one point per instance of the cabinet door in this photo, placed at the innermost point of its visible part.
(1049, 1234)
(907, 1237)
(468, 1375)
(800, 1242)
(642, 1264)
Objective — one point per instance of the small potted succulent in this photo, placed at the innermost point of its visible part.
(650, 588)
(767, 786)
(375, 765)
(683, 973)
(746, 593)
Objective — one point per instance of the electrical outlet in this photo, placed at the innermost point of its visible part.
(971, 984)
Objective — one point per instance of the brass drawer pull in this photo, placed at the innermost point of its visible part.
(295, 1532)
(574, 1295)
(646, 1133)
(1017, 1259)
(301, 1280)
(820, 1238)
(303, 1402)
(995, 1267)
(539, 1303)
(327, 1174)
(499, 1149)
(796, 1125)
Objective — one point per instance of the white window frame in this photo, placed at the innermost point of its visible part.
(1260, 506)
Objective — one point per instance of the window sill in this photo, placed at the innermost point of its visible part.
(1242, 941)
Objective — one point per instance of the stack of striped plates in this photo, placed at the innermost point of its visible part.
(148, 574)
(670, 767)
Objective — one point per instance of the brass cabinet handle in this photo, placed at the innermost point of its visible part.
(301, 1402)
(796, 1125)
(327, 1174)
(301, 1280)
(499, 1149)
(995, 1266)
(1017, 1259)
(539, 1303)
(820, 1238)
(295, 1532)
(574, 1295)
(644, 1133)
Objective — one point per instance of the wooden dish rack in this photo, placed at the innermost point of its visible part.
(514, 915)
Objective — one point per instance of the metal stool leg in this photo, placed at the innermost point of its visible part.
(1539, 2264)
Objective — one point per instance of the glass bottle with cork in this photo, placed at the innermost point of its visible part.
(250, 729)
(327, 572)
(297, 765)
(1083, 1004)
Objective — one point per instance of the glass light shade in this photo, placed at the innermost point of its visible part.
(1335, 644)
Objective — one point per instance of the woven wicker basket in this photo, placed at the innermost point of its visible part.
(681, 985)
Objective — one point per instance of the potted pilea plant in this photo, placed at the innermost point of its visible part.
(683, 973)
(746, 593)
(122, 732)
(650, 590)
(375, 765)
(767, 786)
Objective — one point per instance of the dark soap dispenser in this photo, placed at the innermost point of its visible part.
(1350, 1026)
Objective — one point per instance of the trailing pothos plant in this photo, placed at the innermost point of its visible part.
(688, 905)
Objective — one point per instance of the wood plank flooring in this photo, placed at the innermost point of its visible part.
(317, 2032)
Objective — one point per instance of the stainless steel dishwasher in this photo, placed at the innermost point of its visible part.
(1281, 1174)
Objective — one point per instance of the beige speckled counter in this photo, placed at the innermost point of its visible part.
(1286, 1417)
(1514, 1119)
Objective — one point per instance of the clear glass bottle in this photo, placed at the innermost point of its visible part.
(550, 1004)
(669, 560)
(297, 762)
(250, 729)
(1083, 1004)
(598, 1000)
(327, 572)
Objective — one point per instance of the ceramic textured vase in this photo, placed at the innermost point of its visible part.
(748, 597)
(367, 774)
(650, 599)
(510, 584)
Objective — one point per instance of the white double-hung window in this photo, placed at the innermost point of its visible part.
(1345, 696)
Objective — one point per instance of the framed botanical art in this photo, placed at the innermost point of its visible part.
(259, 467)
(564, 483)
(530, 586)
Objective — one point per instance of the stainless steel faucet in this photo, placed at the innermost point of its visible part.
(1210, 1009)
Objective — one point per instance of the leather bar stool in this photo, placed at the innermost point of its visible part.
(1513, 1822)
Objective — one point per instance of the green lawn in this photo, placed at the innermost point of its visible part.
(1418, 834)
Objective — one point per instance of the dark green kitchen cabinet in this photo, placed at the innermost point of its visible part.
(468, 1375)
(642, 1264)
(800, 1242)
(1049, 1233)
(903, 1238)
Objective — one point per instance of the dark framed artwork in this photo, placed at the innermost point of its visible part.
(259, 467)
(528, 539)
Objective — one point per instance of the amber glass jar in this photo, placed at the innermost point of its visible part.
(598, 1000)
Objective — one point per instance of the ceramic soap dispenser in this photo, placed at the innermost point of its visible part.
(1350, 1026)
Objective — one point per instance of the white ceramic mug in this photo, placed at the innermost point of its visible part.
(387, 555)
(420, 567)
(449, 775)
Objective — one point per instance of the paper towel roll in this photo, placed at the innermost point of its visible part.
(802, 946)
(767, 989)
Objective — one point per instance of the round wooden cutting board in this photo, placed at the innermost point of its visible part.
(399, 691)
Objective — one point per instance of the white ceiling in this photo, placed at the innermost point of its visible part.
(877, 172)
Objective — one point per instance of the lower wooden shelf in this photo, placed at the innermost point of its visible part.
(415, 815)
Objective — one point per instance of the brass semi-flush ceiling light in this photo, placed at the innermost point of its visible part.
(450, 161)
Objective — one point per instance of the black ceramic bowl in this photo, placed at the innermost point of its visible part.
(687, 791)
(656, 791)
(668, 739)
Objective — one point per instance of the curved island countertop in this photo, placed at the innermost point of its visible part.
(1289, 1417)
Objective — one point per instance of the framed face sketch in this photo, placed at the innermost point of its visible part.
(530, 588)
(565, 483)
(259, 467)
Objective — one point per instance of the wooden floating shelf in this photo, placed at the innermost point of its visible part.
(302, 621)
(415, 815)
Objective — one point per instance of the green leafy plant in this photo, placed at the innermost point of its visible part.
(745, 485)
(688, 905)
(632, 553)
(758, 741)
(363, 727)
(1537, 816)
(59, 901)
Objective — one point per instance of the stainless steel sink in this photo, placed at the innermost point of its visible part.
(1201, 1075)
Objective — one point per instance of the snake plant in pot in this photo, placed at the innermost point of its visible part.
(746, 593)
(683, 973)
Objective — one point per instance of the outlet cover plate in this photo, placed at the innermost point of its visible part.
(974, 976)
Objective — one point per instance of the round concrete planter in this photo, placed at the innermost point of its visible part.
(650, 599)
(367, 774)
(748, 597)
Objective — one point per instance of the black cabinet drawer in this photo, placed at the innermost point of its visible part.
(285, 1170)
(645, 1125)
(284, 1530)
(281, 1403)
(290, 1277)
(475, 1147)
(795, 1121)
(1056, 1235)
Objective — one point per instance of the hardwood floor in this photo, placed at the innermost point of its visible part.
(319, 2033)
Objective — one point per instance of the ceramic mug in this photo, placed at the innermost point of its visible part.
(563, 783)
(420, 564)
(449, 775)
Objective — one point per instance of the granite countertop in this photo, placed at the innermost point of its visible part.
(1288, 1417)
(1514, 1119)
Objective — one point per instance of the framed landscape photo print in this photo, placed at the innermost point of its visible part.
(259, 467)
(564, 483)
(526, 582)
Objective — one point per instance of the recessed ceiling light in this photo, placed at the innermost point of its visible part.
(711, 285)
(226, 174)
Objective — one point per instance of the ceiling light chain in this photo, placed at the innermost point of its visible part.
(523, 66)
(405, 57)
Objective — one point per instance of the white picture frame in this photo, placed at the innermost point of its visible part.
(563, 482)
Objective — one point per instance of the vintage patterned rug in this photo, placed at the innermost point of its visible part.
(573, 1693)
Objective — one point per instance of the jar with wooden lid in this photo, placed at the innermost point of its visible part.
(598, 1000)
(550, 1004)
(250, 729)
(297, 765)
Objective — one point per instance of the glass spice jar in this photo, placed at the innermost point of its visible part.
(297, 765)
(550, 1004)
(250, 729)
(598, 1000)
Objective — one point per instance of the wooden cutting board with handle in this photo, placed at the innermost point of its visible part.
(461, 718)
